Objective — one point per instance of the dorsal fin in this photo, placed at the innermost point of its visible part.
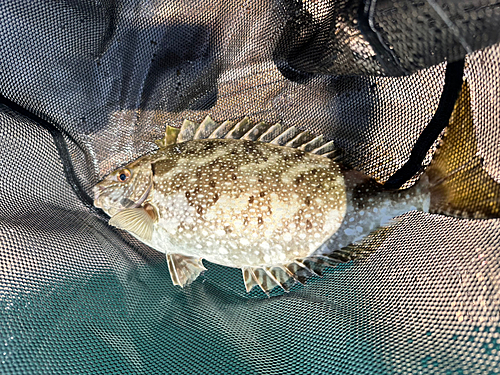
(248, 130)
(206, 128)
(256, 132)
(170, 137)
(187, 131)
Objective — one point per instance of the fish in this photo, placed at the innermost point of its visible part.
(269, 200)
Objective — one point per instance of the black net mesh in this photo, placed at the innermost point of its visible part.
(88, 86)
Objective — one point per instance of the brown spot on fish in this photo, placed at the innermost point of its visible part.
(260, 221)
(216, 197)
(314, 171)
(228, 229)
(212, 183)
(260, 179)
(308, 224)
(251, 199)
(307, 201)
(234, 177)
(199, 210)
(188, 194)
(245, 221)
(262, 194)
(208, 146)
(250, 148)
(190, 151)
(300, 178)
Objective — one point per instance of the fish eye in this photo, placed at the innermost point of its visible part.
(124, 175)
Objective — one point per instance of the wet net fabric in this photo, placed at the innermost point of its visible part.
(89, 85)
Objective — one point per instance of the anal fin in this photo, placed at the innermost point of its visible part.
(184, 269)
(299, 271)
(279, 276)
(252, 277)
(267, 278)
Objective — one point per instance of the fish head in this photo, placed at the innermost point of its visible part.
(126, 187)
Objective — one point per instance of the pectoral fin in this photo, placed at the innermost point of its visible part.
(134, 220)
(184, 269)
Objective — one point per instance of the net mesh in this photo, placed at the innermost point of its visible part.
(78, 296)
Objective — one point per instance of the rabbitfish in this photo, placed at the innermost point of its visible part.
(258, 197)
(236, 202)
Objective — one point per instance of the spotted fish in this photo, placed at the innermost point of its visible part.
(262, 198)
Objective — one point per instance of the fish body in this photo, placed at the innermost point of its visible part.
(263, 207)
(238, 203)
(256, 197)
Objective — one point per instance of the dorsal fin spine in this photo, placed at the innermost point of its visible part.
(244, 129)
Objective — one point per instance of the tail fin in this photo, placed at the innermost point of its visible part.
(459, 185)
